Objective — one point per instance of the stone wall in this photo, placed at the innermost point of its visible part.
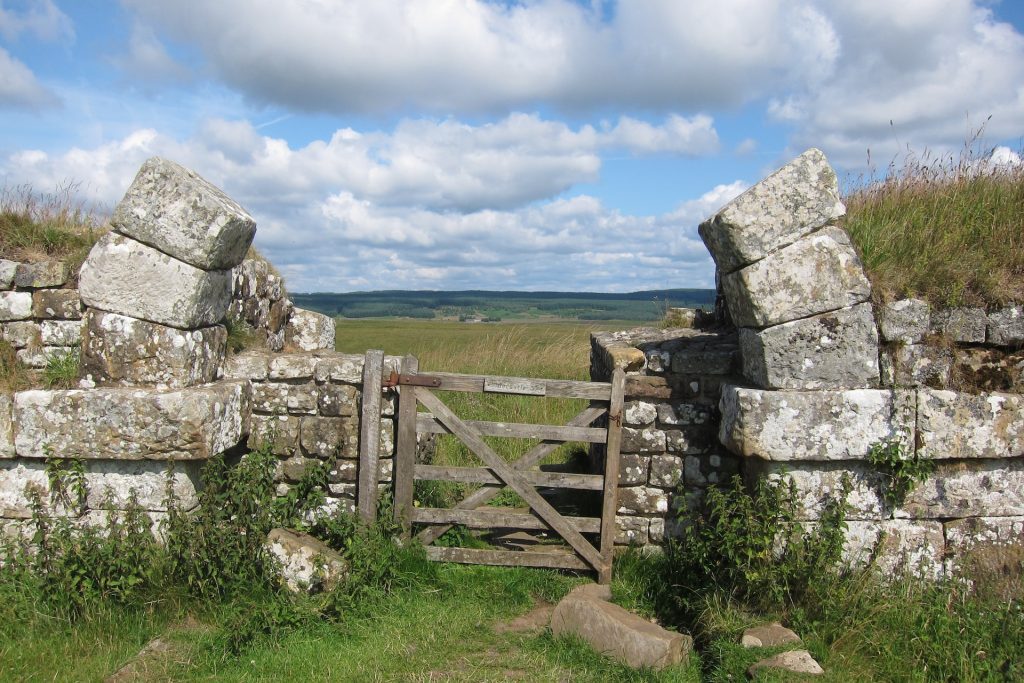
(804, 374)
(40, 310)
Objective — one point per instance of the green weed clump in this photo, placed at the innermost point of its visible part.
(949, 230)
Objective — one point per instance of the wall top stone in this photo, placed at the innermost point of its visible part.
(176, 211)
(799, 198)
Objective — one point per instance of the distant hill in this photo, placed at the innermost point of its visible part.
(644, 306)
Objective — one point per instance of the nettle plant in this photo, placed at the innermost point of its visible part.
(901, 471)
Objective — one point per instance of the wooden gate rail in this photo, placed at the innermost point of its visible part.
(497, 474)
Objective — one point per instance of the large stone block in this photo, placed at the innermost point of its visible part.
(121, 351)
(819, 485)
(309, 331)
(613, 631)
(836, 350)
(6, 426)
(15, 305)
(817, 273)
(988, 544)
(799, 198)
(814, 425)
(906, 321)
(174, 210)
(62, 304)
(132, 424)
(896, 546)
(955, 425)
(128, 277)
(1006, 327)
(968, 488)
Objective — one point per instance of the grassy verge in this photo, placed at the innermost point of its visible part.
(34, 226)
(950, 230)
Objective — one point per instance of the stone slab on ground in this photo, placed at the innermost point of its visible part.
(132, 424)
(798, 198)
(305, 563)
(122, 351)
(768, 635)
(173, 209)
(794, 661)
(122, 275)
(813, 425)
(959, 425)
(835, 350)
(818, 273)
(616, 632)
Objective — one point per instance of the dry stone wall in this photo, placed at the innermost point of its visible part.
(40, 310)
(819, 375)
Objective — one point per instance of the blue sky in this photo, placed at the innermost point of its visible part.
(450, 144)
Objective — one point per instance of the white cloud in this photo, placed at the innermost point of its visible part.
(1004, 156)
(43, 19)
(148, 61)
(19, 86)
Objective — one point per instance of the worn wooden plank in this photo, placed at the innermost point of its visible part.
(427, 423)
(553, 388)
(369, 435)
(507, 558)
(528, 460)
(497, 518)
(482, 475)
(510, 476)
(405, 450)
(611, 476)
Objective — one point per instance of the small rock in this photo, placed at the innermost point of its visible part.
(306, 563)
(797, 661)
(768, 635)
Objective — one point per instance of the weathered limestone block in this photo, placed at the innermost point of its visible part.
(768, 635)
(955, 425)
(305, 563)
(118, 350)
(174, 210)
(251, 365)
(1006, 327)
(720, 361)
(633, 469)
(110, 485)
(15, 305)
(915, 365)
(966, 325)
(41, 274)
(666, 470)
(819, 484)
(330, 437)
(128, 277)
(906, 321)
(793, 201)
(631, 530)
(640, 413)
(643, 440)
(794, 661)
(642, 500)
(21, 333)
(132, 424)
(819, 272)
(309, 330)
(279, 398)
(989, 544)
(340, 367)
(62, 304)
(613, 631)
(914, 547)
(6, 426)
(7, 272)
(294, 366)
(835, 350)
(338, 400)
(60, 332)
(815, 426)
(279, 432)
(968, 488)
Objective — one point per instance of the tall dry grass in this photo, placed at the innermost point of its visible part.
(947, 229)
(34, 225)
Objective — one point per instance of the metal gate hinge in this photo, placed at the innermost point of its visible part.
(395, 379)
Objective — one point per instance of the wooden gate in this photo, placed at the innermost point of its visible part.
(606, 402)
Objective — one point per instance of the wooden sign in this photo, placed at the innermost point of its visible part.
(505, 385)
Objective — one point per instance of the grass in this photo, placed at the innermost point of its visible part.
(949, 230)
(36, 226)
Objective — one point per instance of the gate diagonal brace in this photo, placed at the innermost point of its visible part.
(512, 479)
